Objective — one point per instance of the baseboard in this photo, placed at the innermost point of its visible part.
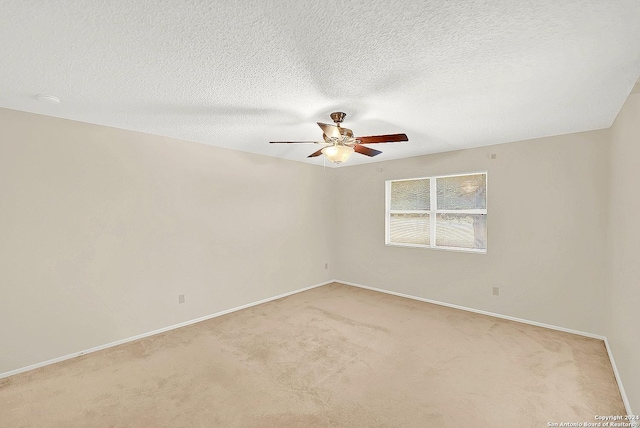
(625, 400)
(158, 331)
(477, 311)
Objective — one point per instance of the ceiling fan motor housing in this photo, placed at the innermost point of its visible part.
(337, 117)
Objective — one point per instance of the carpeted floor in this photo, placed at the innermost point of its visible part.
(331, 356)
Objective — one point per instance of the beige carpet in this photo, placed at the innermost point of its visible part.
(332, 356)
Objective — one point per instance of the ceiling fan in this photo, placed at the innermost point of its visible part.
(340, 142)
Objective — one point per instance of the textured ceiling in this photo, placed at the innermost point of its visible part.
(239, 74)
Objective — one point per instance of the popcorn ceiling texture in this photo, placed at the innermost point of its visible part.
(239, 74)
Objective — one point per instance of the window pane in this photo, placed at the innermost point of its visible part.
(409, 229)
(410, 195)
(461, 230)
(462, 192)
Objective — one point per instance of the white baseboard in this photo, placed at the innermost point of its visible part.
(477, 311)
(625, 400)
(151, 333)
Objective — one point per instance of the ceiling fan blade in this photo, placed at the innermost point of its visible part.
(329, 130)
(314, 154)
(390, 138)
(366, 150)
(333, 131)
(294, 142)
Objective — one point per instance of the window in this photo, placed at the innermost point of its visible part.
(447, 212)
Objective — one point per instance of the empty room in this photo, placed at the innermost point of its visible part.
(319, 214)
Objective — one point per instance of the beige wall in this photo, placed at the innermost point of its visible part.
(101, 229)
(623, 283)
(546, 218)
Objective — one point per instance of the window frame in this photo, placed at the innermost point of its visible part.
(433, 212)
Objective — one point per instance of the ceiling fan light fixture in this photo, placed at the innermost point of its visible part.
(337, 153)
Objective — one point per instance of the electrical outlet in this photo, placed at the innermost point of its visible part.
(326, 265)
(496, 291)
(181, 298)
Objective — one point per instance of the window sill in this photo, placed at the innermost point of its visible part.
(428, 247)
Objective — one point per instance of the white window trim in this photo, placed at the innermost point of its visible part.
(432, 213)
